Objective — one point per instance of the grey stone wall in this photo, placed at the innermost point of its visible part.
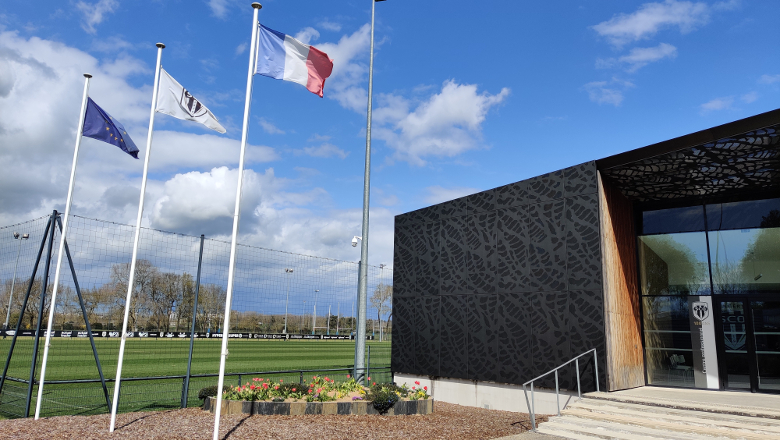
(502, 285)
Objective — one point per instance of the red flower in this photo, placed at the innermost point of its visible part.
(265, 385)
(425, 388)
(369, 377)
(417, 382)
(293, 390)
(276, 387)
(252, 387)
(348, 376)
(281, 380)
(319, 390)
(373, 383)
(414, 388)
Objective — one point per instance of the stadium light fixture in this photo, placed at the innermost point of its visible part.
(21, 238)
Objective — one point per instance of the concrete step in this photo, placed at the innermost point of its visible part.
(607, 417)
(688, 417)
(597, 405)
(740, 410)
(677, 428)
(573, 428)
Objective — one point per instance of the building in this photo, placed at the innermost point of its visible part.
(666, 259)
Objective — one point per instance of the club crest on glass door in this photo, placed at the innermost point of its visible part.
(701, 310)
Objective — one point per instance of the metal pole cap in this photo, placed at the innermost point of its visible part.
(87, 75)
(257, 5)
(160, 45)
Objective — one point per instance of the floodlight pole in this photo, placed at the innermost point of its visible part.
(360, 337)
(287, 301)
(13, 280)
(314, 315)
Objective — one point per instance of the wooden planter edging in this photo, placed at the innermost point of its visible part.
(403, 407)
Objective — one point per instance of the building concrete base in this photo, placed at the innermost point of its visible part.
(490, 395)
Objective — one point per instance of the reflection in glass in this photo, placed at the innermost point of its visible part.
(735, 357)
(742, 215)
(766, 326)
(688, 219)
(674, 264)
(745, 261)
(668, 352)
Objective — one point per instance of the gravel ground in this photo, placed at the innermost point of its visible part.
(447, 422)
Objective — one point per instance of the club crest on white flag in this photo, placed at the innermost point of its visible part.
(175, 100)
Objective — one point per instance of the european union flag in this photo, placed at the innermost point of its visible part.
(101, 126)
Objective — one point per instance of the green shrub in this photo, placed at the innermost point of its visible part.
(211, 391)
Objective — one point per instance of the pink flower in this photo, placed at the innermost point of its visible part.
(294, 390)
(319, 390)
(281, 380)
(276, 387)
(414, 388)
(348, 376)
(369, 377)
(265, 385)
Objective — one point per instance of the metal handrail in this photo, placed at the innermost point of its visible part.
(531, 405)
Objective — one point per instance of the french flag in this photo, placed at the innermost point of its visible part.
(281, 56)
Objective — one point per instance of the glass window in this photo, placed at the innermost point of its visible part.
(686, 219)
(743, 215)
(674, 264)
(745, 261)
(668, 349)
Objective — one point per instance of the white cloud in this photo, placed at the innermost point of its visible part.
(769, 79)
(639, 57)
(652, 17)
(438, 194)
(607, 92)
(241, 48)
(94, 13)
(307, 35)
(346, 82)
(219, 7)
(729, 5)
(717, 104)
(273, 215)
(269, 127)
(749, 97)
(325, 150)
(111, 44)
(330, 26)
(445, 125)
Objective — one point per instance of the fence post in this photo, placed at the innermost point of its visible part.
(301, 381)
(577, 367)
(40, 316)
(596, 369)
(185, 392)
(368, 364)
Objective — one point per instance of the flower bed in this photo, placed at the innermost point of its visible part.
(320, 396)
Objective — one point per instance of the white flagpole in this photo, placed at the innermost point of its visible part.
(236, 215)
(79, 132)
(131, 277)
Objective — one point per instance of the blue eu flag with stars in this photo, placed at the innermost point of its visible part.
(101, 126)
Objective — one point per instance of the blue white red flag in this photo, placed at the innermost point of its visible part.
(281, 56)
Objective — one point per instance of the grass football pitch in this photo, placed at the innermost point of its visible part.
(72, 359)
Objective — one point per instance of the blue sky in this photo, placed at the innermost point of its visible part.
(468, 96)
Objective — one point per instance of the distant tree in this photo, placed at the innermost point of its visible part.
(382, 300)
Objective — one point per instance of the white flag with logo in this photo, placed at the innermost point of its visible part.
(175, 100)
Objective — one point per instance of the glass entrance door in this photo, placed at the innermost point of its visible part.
(766, 330)
(750, 345)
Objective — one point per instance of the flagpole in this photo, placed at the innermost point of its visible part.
(131, 275)
(231, 269)
(79, 131)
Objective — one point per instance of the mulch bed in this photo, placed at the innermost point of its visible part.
(447, 422)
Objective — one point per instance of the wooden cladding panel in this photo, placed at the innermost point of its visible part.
(625, 361)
